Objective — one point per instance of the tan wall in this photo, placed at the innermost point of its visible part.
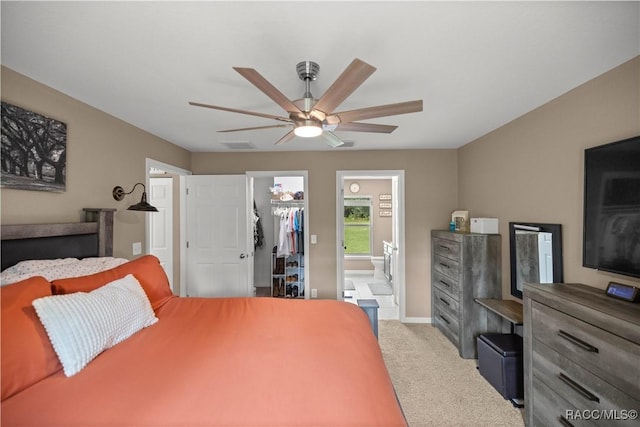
(429, 202)
(532, 168)
(102, 152)
(382, 227)
(527, 170)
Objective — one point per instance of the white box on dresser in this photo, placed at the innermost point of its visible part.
(581, 357)
(484, 225)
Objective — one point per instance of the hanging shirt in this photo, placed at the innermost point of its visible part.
(283, 249)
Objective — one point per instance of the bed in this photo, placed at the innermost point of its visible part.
(204, 362)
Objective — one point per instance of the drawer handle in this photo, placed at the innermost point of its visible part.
(444, 318)
(444, 265)
(445, 283)
(565, 422)
(577, 387)
(445, 301)
(446, 248)
(577, 341)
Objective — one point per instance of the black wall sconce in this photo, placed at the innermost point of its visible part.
(119, 193)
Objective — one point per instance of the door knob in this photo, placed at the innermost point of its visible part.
(243, 256)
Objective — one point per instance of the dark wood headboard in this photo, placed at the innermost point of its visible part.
(91, 238)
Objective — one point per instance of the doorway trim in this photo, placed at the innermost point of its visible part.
(398, 208)
(151, 163)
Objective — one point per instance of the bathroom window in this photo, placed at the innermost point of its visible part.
(357, 225)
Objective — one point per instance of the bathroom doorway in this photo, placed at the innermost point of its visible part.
(369, 215)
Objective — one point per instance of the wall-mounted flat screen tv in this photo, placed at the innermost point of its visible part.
(611, 240)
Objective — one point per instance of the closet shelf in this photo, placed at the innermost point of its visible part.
(287, 202)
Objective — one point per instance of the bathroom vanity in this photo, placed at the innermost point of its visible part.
(388, 256)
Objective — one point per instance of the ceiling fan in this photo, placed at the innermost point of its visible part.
(312, 117)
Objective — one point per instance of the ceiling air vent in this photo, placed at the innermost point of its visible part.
(241, 145)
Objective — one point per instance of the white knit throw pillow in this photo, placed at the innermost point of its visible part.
(82, 325)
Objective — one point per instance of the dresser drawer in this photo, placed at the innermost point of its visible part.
(446, 284)
(446, 266)
(579, 387)
(446, 248)
(551, 409)
(446, 303)
(602, 353)
(447, 324)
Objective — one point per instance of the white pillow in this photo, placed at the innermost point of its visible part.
(82, 325)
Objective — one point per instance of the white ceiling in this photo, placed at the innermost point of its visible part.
(477, 65)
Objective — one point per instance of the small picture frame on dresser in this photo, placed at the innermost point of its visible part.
(461, 220)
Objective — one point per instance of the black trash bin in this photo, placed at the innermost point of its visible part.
(500, 362)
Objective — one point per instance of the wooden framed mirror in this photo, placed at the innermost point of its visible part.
(535, 254)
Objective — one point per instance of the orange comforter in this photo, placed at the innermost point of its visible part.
(226, 362)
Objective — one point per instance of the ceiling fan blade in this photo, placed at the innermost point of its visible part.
(254, 128)
(268, 89)
(286, 138)
(350, 79)
(332, 139)
(365, 127)
(234, 110)
(375, 112)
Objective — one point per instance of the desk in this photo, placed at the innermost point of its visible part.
(512, 311)
(506, 308)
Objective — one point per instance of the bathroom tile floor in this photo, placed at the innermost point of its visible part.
(388, 308)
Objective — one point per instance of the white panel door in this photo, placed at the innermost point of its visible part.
(161, 223)
(218, 251)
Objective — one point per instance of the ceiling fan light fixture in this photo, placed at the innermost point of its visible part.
(308, 129)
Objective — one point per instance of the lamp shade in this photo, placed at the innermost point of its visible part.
(143, 205)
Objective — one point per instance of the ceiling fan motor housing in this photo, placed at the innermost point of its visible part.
(305, 104)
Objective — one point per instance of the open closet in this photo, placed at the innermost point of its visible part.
(287, 255)
(279, 258)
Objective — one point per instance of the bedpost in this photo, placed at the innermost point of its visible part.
(104, 218)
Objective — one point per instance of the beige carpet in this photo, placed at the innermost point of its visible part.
(435, 386)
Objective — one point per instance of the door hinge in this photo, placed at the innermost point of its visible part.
(187, 245)
(187, 190)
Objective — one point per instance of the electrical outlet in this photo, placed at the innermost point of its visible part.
(137, 248)
(314, 293)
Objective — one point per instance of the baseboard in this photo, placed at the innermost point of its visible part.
(416, 320)
(358, 272)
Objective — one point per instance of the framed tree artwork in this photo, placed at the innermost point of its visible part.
(34, 150)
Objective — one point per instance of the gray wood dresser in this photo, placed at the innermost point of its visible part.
(581, 357)
(464, 266)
